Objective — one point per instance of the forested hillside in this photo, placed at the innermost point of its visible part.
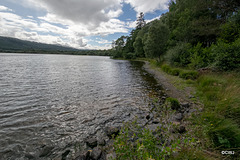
(192, 34)
(13, 44)
(16, 45)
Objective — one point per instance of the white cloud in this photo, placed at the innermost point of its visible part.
(68, 22)
(131, 24)
(150, 20)
(148, 6)
(15, 26)
(30, 17)
(111, 27)
(106, 46)
(90, 12)
(70, 34)
(3, 8)
(52, 18)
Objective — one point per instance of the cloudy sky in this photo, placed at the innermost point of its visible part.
(83, 24)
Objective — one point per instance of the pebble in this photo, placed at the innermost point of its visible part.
(92, 142)
(178, 116)
(46, 151)
(96, 153)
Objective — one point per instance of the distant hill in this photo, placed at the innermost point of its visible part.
(8, 44)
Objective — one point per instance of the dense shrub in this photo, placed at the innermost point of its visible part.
(166, 68)
(188, 75)
(129, 55)
(200, 57)
(173, 102)
(227, 55)
(179, 55)
(181, 73)
(174, 72)
(230, 31)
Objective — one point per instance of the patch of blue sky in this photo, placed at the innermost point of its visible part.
(115, 36)
(55, 24)
(129, 14)
(18, 9)
(95, 43)
(93, 40)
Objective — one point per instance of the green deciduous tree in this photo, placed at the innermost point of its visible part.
(118, 47)
(156, 43)
(138, 46)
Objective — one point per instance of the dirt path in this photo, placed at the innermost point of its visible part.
(183, 95)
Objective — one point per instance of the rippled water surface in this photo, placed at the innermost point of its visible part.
(59, 99)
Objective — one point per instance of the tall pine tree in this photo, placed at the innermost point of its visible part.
(140, 21)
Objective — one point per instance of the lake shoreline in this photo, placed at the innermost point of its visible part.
(153, 121)
(166, 120)
(168, 86)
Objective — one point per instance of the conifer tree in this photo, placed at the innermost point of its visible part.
(140, 21)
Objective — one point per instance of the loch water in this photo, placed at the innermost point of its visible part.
(57, 100)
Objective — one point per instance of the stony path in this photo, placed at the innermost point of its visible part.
(170, 89)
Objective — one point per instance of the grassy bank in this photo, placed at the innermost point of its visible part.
(217, 127)
(214, 129)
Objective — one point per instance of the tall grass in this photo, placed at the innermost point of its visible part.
(220, 93)
(218, 125)
(185, 74)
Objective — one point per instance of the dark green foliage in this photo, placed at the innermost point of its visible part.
(118, 47)
(225, 9)
(129, 45)
(185, 74)
(140, 21)
(189, 75)
(229, 32)
(179, 55)
(196, 57)
(156, 44)
(227, 55)
(175, 72)
(166, 68)
(173, 102)
(190, 20)
(129, 55)
(200, 57)
(138, 46)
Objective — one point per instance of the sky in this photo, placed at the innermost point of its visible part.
(81, 24)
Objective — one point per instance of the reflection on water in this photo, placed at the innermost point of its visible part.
(58, 99)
